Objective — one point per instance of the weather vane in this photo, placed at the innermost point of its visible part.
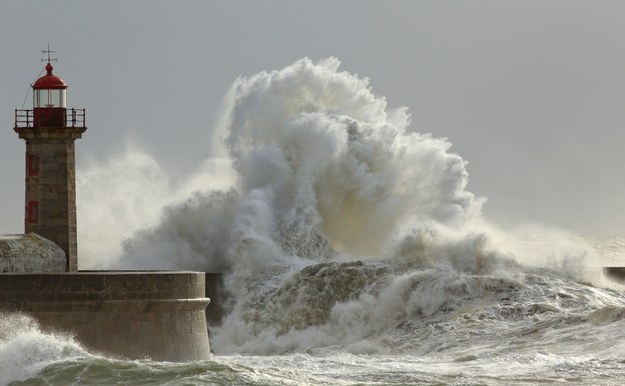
(48, 52)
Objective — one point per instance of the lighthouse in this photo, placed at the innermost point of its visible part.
(50, 129)
(131, 314)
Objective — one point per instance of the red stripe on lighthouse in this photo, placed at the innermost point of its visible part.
(33, 212)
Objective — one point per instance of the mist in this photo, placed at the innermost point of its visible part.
(310, 164)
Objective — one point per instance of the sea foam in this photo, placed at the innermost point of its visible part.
(25, 349)
(338, 221)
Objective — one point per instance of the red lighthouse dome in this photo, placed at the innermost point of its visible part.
(49, 81)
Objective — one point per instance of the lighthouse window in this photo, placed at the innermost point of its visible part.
(32, 165)
(33, 212)
(49, 98)
(57, 98)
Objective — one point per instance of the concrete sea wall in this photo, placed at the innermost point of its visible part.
(135, 315)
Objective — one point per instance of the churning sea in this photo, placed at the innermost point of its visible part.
(443, 327)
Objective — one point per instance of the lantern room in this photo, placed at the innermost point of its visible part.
(49, 100)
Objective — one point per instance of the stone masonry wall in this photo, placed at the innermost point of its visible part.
(134, 315)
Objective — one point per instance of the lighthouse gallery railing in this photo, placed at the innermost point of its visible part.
(26, 118)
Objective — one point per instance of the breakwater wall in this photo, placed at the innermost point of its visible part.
(135, 315)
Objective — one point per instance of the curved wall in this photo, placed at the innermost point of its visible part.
(30, 253)
(135, 315)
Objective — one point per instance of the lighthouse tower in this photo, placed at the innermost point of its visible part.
(50, 130)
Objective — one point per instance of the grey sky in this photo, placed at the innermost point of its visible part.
(531, 93)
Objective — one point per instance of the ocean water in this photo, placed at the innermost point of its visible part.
(433, 326)
(354, 254)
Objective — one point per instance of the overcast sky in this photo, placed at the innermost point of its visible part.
(530, 93)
